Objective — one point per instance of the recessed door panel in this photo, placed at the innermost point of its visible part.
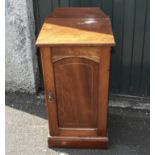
(76, 82)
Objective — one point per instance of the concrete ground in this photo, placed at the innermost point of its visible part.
(27, 130)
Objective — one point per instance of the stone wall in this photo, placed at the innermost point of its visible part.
(20, 58)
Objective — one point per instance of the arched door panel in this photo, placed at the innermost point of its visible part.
(76, 83)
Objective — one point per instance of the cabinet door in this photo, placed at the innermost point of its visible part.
(74, 80)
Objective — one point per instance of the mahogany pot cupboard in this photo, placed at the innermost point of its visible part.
(75, 45)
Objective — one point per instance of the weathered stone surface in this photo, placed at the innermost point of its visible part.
(20, 58)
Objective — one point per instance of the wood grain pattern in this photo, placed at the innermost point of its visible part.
(49, 87)
(76, 31)
(76, 108)
(76, 79)
(78, 142)
(78, 12)
(56, 32)
(78, 132)
(91, 53)
(103, 90)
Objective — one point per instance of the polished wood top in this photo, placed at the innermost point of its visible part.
(78, 12)
(76, 31)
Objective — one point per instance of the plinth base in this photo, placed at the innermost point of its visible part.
(78, 142)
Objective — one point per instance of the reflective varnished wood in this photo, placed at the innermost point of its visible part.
(75, 56)
(78, 12)
(82, 30)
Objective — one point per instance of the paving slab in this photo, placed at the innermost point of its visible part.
(27, 130)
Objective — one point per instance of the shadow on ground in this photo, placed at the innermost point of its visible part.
(27, 128)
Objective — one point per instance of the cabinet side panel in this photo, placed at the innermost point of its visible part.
(103, 90)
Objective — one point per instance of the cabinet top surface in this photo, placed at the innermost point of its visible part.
(76, 26)
(78, 12)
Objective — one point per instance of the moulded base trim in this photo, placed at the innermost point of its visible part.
(78, 142)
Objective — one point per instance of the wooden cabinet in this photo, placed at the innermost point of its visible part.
(75, 46)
